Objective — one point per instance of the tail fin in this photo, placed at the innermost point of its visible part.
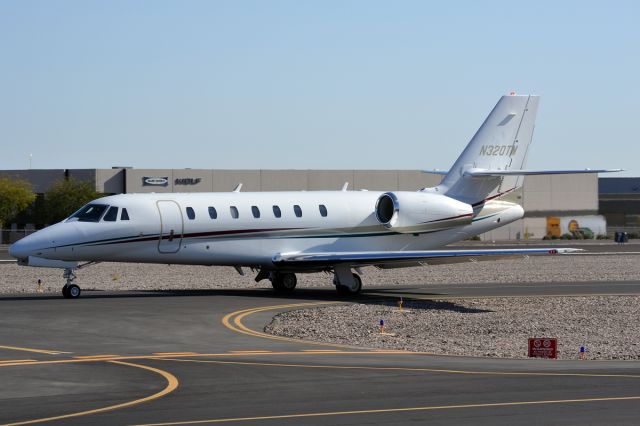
(501, 143)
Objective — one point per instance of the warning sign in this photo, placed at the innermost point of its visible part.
(543, 347)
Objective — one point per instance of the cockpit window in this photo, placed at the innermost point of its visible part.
(112, 214)
(89, 213)
(124, 215)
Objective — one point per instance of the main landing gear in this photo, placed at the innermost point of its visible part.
(346, 282)
(283, 282)
(346, 290)
(70, 290)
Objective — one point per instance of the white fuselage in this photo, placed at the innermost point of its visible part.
(177, 228)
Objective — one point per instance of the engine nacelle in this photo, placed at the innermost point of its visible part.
(414, 212)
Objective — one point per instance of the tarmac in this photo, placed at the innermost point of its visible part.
(200, 357)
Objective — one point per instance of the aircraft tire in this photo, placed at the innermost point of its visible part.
(346, 291)
(73, 291)
(276, 284)
(284, 282)
(65, 291)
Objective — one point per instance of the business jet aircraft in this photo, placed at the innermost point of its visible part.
(280, 234)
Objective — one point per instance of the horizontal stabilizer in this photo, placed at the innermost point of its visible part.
(406, 258)
(436, 172)
(486, 172)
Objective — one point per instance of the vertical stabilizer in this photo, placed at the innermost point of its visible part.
(501, 143)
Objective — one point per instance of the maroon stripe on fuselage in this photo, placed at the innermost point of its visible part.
(451, 218)
(491, 198)
(200, 234)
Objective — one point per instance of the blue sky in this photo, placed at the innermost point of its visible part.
(301, 84)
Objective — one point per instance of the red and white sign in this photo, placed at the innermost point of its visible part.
(543, 347)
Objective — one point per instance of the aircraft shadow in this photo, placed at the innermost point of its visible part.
(430, 305)
(320, 294)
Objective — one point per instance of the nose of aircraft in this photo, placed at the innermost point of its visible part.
(37, 243)
(22, 248)
(44, 242)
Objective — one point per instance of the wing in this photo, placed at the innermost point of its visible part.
(395, 259)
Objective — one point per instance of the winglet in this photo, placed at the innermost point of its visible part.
(238, 187)
(344, 187)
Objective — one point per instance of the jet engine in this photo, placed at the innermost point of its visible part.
(415, 212)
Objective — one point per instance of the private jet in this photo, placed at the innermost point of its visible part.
(281, 234)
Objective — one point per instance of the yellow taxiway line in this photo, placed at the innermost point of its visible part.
(37, 351)
(199, 355)
(412, 369)
(233, 321)
(96, 356)
(394, 410)
(174, 353)
(172, 384)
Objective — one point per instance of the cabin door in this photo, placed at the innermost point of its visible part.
(171, 226)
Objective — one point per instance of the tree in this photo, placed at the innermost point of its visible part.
(65, 197)
(15, 196)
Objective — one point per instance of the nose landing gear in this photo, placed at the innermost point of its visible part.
(70, 290)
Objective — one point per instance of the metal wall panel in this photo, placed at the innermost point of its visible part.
(376, 180)
(412, 180)
(329, 180)
(283, 180)
(110, 181)
(83, 175)
(227, 180)
(575, 192)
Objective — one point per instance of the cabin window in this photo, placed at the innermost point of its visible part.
(213, 214)
(323, 210)
(276, 211)
(256, 211)
(190, 213)
(124, 215)
(297, 210)
(89, 213)
(112, 214)
(234, 212)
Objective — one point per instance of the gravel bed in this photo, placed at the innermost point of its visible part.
(131, 276)
(608, 326)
